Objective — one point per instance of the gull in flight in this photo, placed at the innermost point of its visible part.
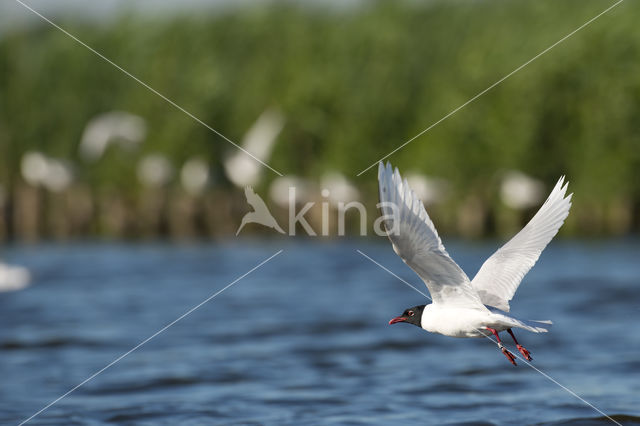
(462, 307)
(260, 213)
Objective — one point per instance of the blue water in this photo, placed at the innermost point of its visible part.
(304, 339)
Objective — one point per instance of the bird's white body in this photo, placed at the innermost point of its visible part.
(464, 322)
(455, 322)
(462, 307)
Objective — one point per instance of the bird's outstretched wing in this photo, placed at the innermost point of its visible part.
(416, 241)
(500, 275)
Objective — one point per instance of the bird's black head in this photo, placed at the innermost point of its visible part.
(411, 316)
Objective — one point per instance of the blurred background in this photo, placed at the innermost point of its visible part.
(319, 90)
(120, 210)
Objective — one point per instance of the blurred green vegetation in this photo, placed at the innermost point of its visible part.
(353, 84)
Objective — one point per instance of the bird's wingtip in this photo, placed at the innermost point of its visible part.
(384, 169)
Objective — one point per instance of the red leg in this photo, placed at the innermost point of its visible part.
(504, 350)
(521, 348)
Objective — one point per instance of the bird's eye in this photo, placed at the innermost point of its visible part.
(410, 313)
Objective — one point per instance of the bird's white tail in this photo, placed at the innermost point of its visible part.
(537, 326)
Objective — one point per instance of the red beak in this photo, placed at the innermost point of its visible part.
(397, 319)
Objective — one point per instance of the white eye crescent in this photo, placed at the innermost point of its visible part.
(410, 313)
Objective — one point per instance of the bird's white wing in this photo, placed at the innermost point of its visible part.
(416, 241)
(500, 275)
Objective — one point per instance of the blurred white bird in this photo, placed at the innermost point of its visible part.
(115, 127)
(39, 170)
(155, 170)
(520, 191)
(243, 170)
(13, 278)
(430, 190)
(194, 175)
(283, 187)
(339, 188)
(461, 307)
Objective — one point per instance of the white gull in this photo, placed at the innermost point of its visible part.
(461, 307)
